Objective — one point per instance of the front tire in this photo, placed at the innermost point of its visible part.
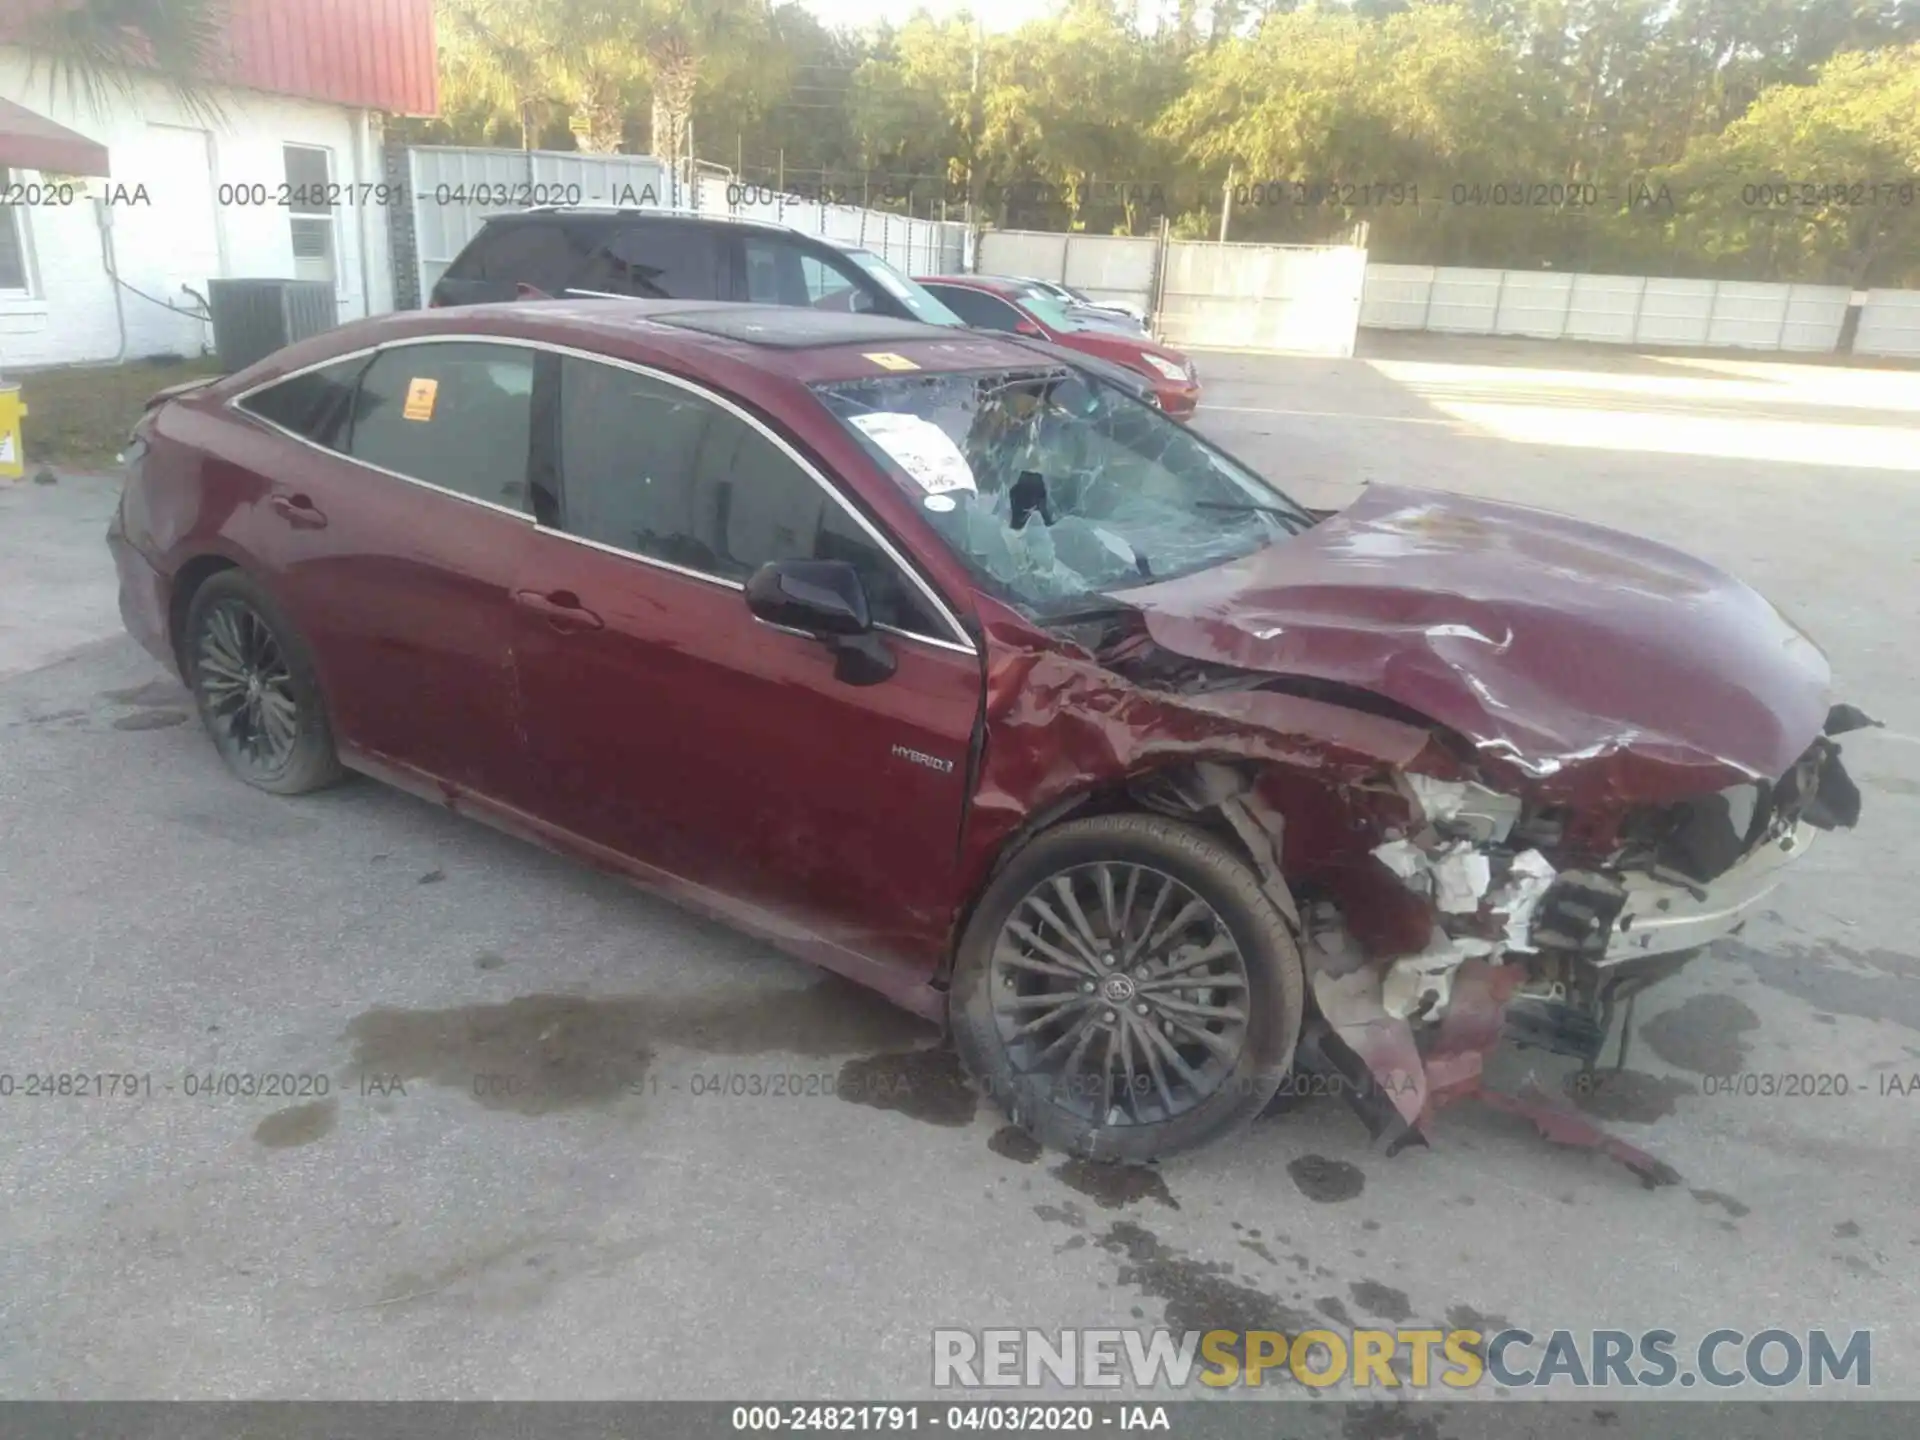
(1125, 989)
(253, 681)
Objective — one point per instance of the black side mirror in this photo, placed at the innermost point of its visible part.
(824, 599)
(821, 597)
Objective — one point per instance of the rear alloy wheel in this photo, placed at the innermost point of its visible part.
(255, 689)
(1126, 990)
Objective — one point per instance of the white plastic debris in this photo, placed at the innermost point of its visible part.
(1421, 985)
(1460, 878)
(1485, 815)
(1528, 878)
(1403, 858)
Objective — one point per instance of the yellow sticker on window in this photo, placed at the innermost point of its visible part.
(420, 398)
(887, 360)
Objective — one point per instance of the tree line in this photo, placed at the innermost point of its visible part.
(1743, 139)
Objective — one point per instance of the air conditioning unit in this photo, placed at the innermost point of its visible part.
(254, 318)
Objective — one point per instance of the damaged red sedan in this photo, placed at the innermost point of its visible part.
(956, 671)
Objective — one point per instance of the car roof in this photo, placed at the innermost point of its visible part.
(723, 343)
(626, 215)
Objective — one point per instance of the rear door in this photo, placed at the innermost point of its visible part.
(665, 721)
(397, 522)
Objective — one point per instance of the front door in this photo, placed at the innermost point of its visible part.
(664, 721)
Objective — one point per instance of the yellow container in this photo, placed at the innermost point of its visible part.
(13, 458)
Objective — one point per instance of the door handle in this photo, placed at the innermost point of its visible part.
(298, 511)
(560, 608)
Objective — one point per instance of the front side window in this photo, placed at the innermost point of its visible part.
(13, 241)
(781, 273)
(661, 471)
(920, 302)
(314, 405)
(1055, 492)
(456, 414)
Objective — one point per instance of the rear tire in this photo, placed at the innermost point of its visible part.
(253, 680)
(1160, 934)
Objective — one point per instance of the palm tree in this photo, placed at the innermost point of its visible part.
(494, 51)
(592, 57)
(680, 34)
(97, 49)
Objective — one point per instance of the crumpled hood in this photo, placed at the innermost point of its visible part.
(1595, 662)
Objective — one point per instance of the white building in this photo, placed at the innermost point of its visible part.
(284, 178)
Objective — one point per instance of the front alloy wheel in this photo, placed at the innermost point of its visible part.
(1126, 989)
(1122, 992)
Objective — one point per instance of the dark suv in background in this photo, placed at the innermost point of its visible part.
(655, 256)
(651, 255)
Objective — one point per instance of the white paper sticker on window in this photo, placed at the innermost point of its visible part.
(921, 448)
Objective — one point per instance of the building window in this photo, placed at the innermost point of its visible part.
(310, 212)
(13, 242)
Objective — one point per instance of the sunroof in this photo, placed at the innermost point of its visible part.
(792, 328)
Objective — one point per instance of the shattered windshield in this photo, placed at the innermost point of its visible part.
(1055, 490)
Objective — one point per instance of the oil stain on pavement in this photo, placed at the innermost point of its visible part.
(1326, 1181)
(1704, 1034)
(542, 1053)
(1872, 984)
(1631, 1095)
(297, 1125)
(924, 1082)
(1113, 1187)
(1010, 1142)
(1198, 1294)
(151, 720)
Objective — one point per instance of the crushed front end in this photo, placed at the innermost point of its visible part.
(1494, 916)
(1449, 894)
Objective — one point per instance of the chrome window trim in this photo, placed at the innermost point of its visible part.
(737, 587)
(233, 403)
(962, 644)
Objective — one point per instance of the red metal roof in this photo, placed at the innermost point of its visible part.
(370, 54)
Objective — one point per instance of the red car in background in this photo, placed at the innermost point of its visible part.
(991, 303)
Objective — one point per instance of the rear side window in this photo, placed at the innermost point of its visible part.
(976, 307)
(663, 472)
(541, 255)
(456, 415)
(313, 405)
(657, 262)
